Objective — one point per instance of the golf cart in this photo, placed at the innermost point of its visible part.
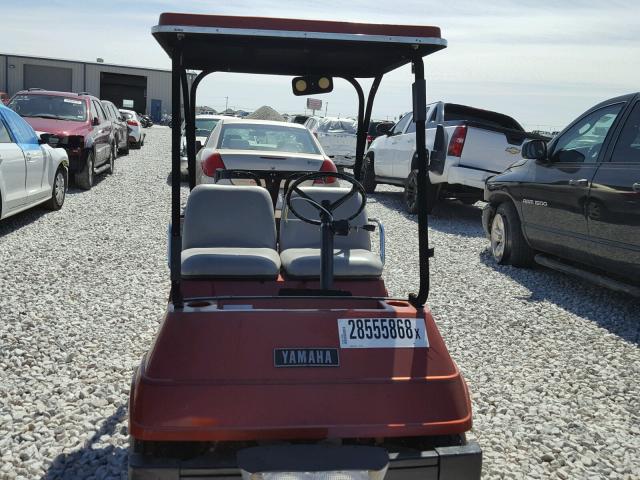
(281, 354)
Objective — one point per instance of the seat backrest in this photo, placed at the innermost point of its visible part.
(229, 216)
(294, 233)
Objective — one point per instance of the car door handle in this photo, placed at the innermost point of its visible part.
(636, 187)
(583, 182)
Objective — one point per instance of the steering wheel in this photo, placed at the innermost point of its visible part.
(329, 208)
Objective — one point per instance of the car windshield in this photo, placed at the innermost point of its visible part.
(338, 125)
(276, 138)
(50, 106)
(205, 125)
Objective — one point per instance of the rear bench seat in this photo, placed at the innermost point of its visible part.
(229, 231)
(300, 241)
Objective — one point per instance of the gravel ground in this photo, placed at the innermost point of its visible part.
(553, 364)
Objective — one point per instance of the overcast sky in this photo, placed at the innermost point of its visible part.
(543, 62)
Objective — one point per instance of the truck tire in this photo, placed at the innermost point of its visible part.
(369, 175)
(58, 191)
(84, 178)
(508, 245)
(410, 194)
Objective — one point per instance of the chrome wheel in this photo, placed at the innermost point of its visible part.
(498, 237)
(59, 188)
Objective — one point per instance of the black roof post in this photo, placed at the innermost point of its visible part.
(419, 117)
(189, 111)
(176, 238)
(191, 129)
(361, 135)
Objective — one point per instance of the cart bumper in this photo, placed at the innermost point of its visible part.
(463, 462)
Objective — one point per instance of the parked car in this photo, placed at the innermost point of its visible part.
(481, 143)
(205, 123)
(120, 129)
(299, 119)
(260, 145)
(372, 133)
(31, 171)
(575, 200)
(81, 124)
(136, 135)
(145, 121)
(337, 137)
(4, 98)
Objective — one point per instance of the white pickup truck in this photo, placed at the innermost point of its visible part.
(480, 143)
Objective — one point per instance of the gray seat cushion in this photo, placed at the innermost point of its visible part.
(230, 262)
(300, 241)
(305, 263)
(229, 231)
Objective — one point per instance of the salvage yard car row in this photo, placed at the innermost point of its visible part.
(49, 139)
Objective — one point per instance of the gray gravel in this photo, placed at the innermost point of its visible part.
(553, 364)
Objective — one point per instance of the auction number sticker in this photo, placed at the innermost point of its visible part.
(382, 333)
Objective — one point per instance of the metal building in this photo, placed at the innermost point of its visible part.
(145, 90)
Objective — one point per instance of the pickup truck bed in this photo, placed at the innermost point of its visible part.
(480, 144)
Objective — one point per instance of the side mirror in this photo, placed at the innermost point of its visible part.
(95, 121)
(198, 145)
(535, 150)
(384, 128)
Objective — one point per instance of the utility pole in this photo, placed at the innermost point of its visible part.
(326, 106)
(226, 104)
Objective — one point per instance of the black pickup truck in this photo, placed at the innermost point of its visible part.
(573, 203)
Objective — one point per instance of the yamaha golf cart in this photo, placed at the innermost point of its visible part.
(281, 355)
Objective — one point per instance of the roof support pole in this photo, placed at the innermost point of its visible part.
(364, 117)
(176, 239)
(357, 169)
(361, 136)
(419, 117)
(190, 124)
(189, 110)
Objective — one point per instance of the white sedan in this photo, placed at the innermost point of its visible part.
(31, 171)
(259, 146)
(134, 126)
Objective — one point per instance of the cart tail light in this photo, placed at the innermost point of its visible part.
(457, 141)
(133, 123)
(327, 166)
(212, 163)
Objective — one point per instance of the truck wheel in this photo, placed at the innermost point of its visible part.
(369, 175)
(410, 195)
(58, 192)
(84, 178)
(508, 245)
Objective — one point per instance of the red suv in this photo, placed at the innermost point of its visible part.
(79, 120)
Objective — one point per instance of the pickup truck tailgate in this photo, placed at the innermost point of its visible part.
(490, 150)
